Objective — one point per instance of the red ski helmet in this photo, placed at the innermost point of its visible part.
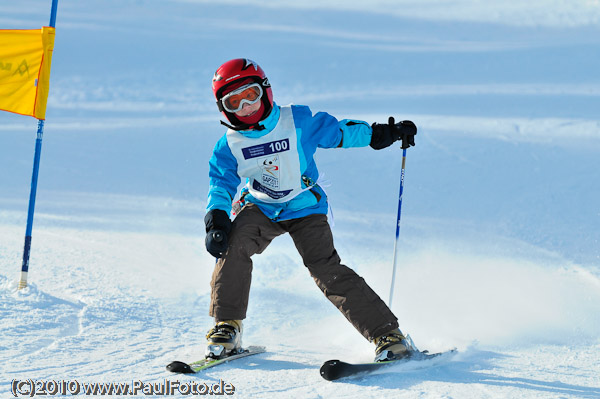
(237, 73)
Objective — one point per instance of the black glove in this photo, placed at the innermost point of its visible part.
(218, 227)
(384, 135)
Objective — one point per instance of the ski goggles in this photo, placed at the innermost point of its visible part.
(235, 100)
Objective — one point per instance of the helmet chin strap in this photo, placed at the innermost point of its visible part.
(245, 126)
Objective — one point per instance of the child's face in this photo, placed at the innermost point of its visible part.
(248, 109)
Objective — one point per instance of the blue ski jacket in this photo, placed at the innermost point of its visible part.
(278, 161)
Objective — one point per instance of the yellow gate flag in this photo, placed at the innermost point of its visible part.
(25, 59)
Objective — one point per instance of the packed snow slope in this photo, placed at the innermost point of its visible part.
(499, 251)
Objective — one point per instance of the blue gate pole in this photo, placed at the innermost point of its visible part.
(34, 180)
(53, 13)
(397, 227)
(32, 194)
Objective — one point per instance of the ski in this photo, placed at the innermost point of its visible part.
(335, 369)
(185, 368)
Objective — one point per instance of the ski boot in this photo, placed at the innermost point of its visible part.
(224, 339)
(393, 346)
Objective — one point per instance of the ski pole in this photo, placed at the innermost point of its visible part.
(408, 132)
(398, 225)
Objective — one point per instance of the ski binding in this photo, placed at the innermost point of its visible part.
(208, 362)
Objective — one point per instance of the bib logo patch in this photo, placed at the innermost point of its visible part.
(270, 172)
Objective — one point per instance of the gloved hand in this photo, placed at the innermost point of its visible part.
(218, 227)
(384, 135)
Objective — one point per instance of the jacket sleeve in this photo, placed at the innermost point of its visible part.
(223, 177)
(355, 133)
(331, 133)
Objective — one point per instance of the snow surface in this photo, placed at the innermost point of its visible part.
(499, 250)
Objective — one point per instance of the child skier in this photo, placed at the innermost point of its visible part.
(273, 147)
